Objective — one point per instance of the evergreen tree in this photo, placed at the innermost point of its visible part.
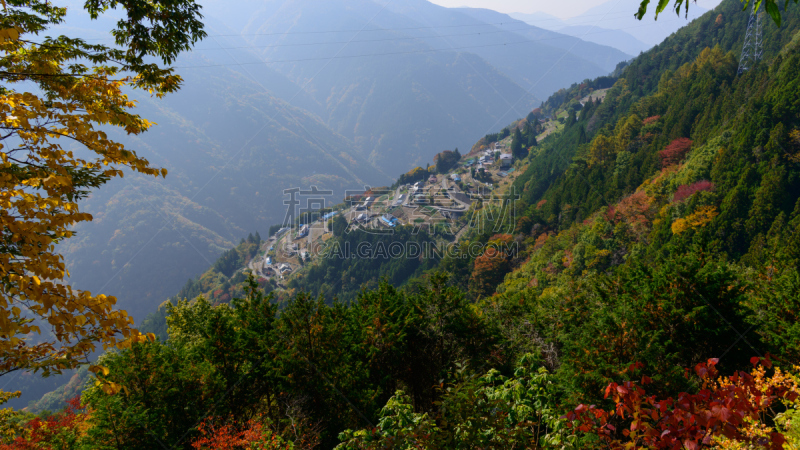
(516, 144)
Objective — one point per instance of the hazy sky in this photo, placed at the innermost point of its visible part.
(559, 8)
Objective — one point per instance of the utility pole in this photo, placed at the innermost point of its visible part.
(753, 47)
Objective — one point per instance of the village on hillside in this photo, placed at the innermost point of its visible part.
(438, 200)
(438, 204)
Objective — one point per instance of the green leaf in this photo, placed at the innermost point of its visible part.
(643, 9)
(663, 4)
(773, 11)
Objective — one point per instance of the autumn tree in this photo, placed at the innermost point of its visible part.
(735, 409)
(675, 152)
(492, 265)
(78, 89)
(65, 429)
(685, 191)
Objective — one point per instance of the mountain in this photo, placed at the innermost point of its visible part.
(540, 20)
(261, 111)
(602, 56)
(618, 39)
(564, 159)
(397, 68)
(592, 32)
(617, 15)
(612, 24)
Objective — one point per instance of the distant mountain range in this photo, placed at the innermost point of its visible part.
(613, 24)
(294, 93)
(398, 70)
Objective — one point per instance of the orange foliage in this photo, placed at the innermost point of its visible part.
(730, 409)
(540, 241)
(215, 435)
(499, 239)
(489, 269)
(637, 210)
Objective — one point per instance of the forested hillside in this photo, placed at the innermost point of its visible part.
(262, 110)
(658, 235)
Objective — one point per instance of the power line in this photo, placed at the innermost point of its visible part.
(480, 24)
(430, 50)
(477, 24)
(513, 21)
(407, 38)
(405, 52)
(286, 33)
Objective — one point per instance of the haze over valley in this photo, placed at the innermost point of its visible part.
(337, 94)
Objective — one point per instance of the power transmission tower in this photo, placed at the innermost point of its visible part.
(753, 42)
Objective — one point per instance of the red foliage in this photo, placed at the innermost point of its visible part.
(540, 203)
(218, 434)
(489, 269)
(675, 151)
(635, 209)
(57, 431)
(688, 190)
(490, 260)
(230, 437)
(691, 421)
(651, 119)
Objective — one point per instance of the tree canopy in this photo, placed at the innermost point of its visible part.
(78, 87)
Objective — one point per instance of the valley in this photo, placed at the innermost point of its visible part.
(611, 259)
(242, 129)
